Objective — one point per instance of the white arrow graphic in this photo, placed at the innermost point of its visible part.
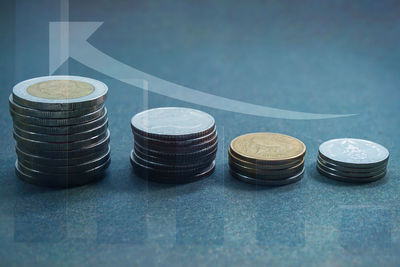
(69, 39)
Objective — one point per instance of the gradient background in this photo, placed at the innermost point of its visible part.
(312, 56)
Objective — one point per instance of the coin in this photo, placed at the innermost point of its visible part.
(172, 123)
(38, 145)
(58, 162)
(147, 173)
(83, 127)
(353, 153)
(350, 179)
(267, 147)
(279, 182)
(61, 138)
(52, 180)
(50, 114)
(58, 122)
(59, 93)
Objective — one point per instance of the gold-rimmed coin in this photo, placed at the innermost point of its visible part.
(263, 147)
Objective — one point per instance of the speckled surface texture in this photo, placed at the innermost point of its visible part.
(313, 56)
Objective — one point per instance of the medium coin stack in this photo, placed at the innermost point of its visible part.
(174, 145)
(352, 160)
(267, 159)
(61, 130)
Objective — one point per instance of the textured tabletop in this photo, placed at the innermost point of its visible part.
(335, 58)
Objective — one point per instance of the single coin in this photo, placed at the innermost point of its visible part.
(198, 165)
(350, 179)
(62, 129)
(173, 159)
(173, 123)
(143, 172)
(175, 143)
(58, 122)
(273, 148)
(252, 180)
(340, 168)
(52, 180)
(262, 165)
(176, 156)
(61, 138)
(267, 174)
(353, 153)
(59, 154)
(350, 174)
(51, 114)
(70, 169)
(59, 162)
(38, 145)
(59, 93)
(179, 149)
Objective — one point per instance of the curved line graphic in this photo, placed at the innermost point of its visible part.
(82, 51)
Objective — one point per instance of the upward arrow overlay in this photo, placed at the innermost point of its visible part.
(69, 39)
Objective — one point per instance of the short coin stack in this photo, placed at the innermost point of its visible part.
(61, 130)
(267, 158)
(174, 145)
(352, 160)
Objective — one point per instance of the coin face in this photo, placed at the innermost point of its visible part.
(354, 151)
(267, 147)
(60, 89)
(173, 122)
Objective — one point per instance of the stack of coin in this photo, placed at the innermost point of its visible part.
(61, 130)
(352, 160)
(173, 145)
(267, 158)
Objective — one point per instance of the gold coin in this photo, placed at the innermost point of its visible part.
(271, 148)
(60, 89)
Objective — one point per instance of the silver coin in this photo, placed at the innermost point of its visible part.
(70, 169)
(38, 145)
(83, 127)
(348, 169)
(66, 180)
(61, 138)
(58, 122)
(59, 93)
(60, 154)
(173, 123)
(252, 180)
(59, 162)
(354, 153)
(350, 174)
(51, 114)
(350, 179)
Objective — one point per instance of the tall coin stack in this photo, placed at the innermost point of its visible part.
(174, 145)
(61, 130)
(267, 159)
(352, 160)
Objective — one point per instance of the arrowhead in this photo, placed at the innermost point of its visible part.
(65, 35)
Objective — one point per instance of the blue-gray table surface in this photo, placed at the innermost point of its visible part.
(313, 56)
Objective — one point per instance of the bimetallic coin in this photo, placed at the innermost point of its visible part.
(256, 181)
(62, 129)
(51, 114)
(58, 122)
(59, 93)
(172, 123)
(70, 169)
(350, 174)
(38, 145)
(61, 138)
(348, 169)
(353, 153)
(59, 162)
(66, 180)
(147, 173)
(350, 179)
(267, 147)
